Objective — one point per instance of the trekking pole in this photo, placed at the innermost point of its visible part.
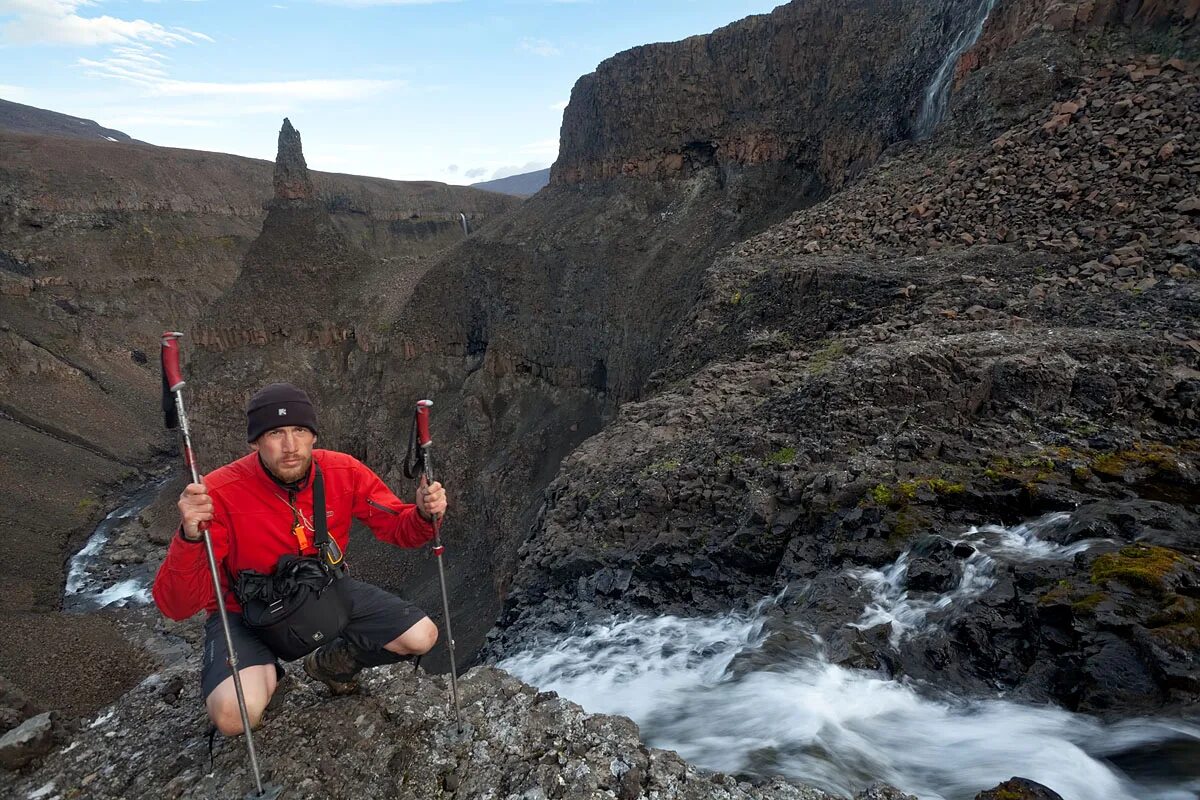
(174, 415)
(424, 441)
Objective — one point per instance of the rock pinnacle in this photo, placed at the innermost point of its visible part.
(291, 173)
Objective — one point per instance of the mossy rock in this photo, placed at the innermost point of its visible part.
(1087, 605)
(820, 359)
(1155, 458)
(784, 455)
(904, 526)
(1141, 567)
(900, 495)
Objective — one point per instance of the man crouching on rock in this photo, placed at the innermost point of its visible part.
(259, 508)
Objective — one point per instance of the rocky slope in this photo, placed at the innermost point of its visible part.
(20, 118)
(984, 329)
(398, 741)
(102, 246)
(524, 185)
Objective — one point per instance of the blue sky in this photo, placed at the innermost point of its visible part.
(451, 90)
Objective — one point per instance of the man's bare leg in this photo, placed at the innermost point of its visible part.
(258, 684)
(416, 641)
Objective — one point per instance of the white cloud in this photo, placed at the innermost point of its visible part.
(311, 89)
(475, 172)
(539, 47)
(56, 22)
(15, 94)
(561, 105)
(147, 72)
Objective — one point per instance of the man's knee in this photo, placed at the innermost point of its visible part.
(425, 636)
(225, 714)
(417, 640)
(258, 684)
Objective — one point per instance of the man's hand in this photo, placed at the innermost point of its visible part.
(431, 499)
(195, 506)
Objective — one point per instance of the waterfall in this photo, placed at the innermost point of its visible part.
(937, 94)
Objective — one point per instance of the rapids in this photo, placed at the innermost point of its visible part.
(687, 684)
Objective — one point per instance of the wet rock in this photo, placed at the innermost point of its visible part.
(881, 792)
(1019, 789)
(927, 575)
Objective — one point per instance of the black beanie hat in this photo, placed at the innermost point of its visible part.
(277, 405)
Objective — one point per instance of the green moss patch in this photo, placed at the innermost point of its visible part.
(784, 455)
(660, 467)
(1156, 458)
(1141, 567)
(820, 359)
(900, 495)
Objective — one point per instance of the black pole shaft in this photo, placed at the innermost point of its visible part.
(439, 550)
(216, 579)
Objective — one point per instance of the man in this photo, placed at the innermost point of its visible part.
(259, 508)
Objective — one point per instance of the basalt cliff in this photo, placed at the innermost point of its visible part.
(767, 333)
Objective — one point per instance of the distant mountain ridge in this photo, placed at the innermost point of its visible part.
(526, 184)
(28, 119)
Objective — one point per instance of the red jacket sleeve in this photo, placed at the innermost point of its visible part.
(389, 518)
(183, 584)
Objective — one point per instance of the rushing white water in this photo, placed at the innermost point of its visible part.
(93, 583)
(692, 687)
(937, 94)
(892, 604)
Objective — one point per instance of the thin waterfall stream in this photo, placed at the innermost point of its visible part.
(937, 93)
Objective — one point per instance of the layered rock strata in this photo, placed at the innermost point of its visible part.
(819, 87)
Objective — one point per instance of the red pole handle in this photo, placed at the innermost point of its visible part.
(170, 360)
(423, 438)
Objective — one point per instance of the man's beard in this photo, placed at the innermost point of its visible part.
(291, 474)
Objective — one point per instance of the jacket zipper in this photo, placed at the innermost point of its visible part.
(373, 504)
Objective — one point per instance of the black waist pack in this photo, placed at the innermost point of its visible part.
(299, 606)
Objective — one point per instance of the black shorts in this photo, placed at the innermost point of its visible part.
(376, 618)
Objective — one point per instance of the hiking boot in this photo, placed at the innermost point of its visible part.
(335, 666)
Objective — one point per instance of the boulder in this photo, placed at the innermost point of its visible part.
(1019, 789)
(30, 740)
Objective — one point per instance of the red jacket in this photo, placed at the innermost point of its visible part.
(252, 526)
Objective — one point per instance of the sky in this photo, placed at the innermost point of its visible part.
(458, 91)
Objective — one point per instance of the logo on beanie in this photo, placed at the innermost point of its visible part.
(283, 412)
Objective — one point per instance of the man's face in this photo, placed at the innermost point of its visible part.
(286, 451)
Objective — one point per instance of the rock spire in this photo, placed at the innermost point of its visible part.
(291, 172)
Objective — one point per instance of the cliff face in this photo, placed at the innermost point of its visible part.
(821, 86)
